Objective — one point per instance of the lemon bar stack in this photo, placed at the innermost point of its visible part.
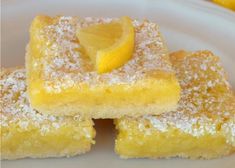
(79, 69)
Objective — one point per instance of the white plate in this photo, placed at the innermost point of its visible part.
(190, 25)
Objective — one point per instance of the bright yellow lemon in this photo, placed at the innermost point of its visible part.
(226, 3)
(109, 45)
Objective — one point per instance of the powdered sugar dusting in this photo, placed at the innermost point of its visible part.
(64, 66)
(15, 108)
(207, 103)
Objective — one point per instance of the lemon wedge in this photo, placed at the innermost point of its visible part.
(109, 45)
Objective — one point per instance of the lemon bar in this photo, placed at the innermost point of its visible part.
(27, 133)
(63, 81)
(203, 126)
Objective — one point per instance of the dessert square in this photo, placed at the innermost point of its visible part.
(203, 126)
(63, 81)
(26, 133)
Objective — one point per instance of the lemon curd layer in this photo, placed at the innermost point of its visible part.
(203, 126)
(62, 80)
(26, 133)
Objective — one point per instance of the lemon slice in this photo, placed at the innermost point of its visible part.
(108, 45)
